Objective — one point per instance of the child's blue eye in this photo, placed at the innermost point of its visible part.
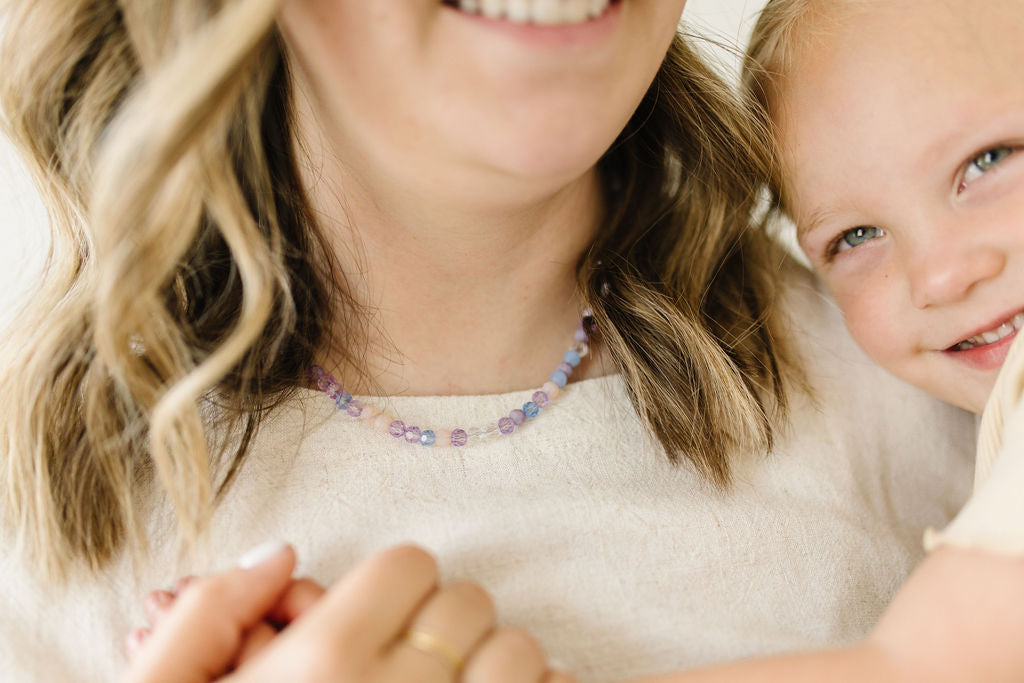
(854, 237)
(983, 163)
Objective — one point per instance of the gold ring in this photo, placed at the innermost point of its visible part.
(427, 642)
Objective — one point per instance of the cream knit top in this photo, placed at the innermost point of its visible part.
(993, 519)
(620, 562)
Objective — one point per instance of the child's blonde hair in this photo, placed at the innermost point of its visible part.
(783, 28)
(186, 265)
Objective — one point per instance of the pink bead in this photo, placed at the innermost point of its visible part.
(354, 408)
(370, 412)
(442, 437)
(551, 389)
(506, 425)
(517, 416)
(382, 423)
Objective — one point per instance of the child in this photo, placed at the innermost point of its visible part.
(900, 126)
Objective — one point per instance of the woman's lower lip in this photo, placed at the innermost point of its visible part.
(987, 357)
(585, 33)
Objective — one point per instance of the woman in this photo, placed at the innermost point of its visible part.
(424, 201)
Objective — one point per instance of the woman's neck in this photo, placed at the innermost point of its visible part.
(460, 296)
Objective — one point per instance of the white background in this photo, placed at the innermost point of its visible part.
(22, 219)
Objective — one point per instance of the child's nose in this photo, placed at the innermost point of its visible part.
(947, 272)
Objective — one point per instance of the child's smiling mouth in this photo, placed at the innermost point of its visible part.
(996, 334)
(542, 12)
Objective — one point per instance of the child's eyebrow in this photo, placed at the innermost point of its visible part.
(815, 220)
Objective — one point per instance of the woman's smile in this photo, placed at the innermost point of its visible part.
(546, 23)
(540, 12)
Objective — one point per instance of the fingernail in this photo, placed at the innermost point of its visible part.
(261, 554)
(183, 583)
(135, 639)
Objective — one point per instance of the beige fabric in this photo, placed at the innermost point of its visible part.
(621, 563)
(993, 518)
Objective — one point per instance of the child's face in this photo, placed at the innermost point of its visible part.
(903, 138)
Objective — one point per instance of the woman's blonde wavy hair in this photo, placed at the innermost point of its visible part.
(186, 269)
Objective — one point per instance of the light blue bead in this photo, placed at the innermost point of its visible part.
(531, 409)
(559, 378)
(572, 357)
(427, 437)
(344, 398)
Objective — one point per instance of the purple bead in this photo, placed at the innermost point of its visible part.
(412, 434)
(541, 399)
(354, 408)
(333, 389)
(324, 382)
(316, 372)
(506, 425)
(566, 368)
(459, 437)
(397, 429)
(517, 416)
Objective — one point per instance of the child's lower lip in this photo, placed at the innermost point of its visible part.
(987, 357)
(555, 35)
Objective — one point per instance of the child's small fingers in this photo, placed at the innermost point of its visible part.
(134, 640)
(183, 583)
(300, 596)
(156, 605)
(256, 640)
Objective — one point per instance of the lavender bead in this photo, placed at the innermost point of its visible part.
(559, 378)
(354, 408)
(506, 425)
(412, 434)
(566, 368)
(541, 399)
(427, 437)
(531, 409)
(397, 429)
(316, 372)
(517, 416)
(324, 382)
(459, 437)
(572, 357)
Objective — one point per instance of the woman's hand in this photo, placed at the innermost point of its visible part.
(387, 620)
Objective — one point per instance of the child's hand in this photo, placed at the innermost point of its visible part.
(388, 620)
(297, 596)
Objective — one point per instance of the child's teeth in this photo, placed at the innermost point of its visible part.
(991, 337)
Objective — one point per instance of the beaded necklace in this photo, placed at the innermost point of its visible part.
(384, 422)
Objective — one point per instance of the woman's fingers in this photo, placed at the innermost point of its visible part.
(508, 656)
(300, 595)
(201, 636)
(256, 640)
(371, 606)
(443, 634)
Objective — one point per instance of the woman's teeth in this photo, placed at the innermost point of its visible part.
(535, 11)
(992, 336)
